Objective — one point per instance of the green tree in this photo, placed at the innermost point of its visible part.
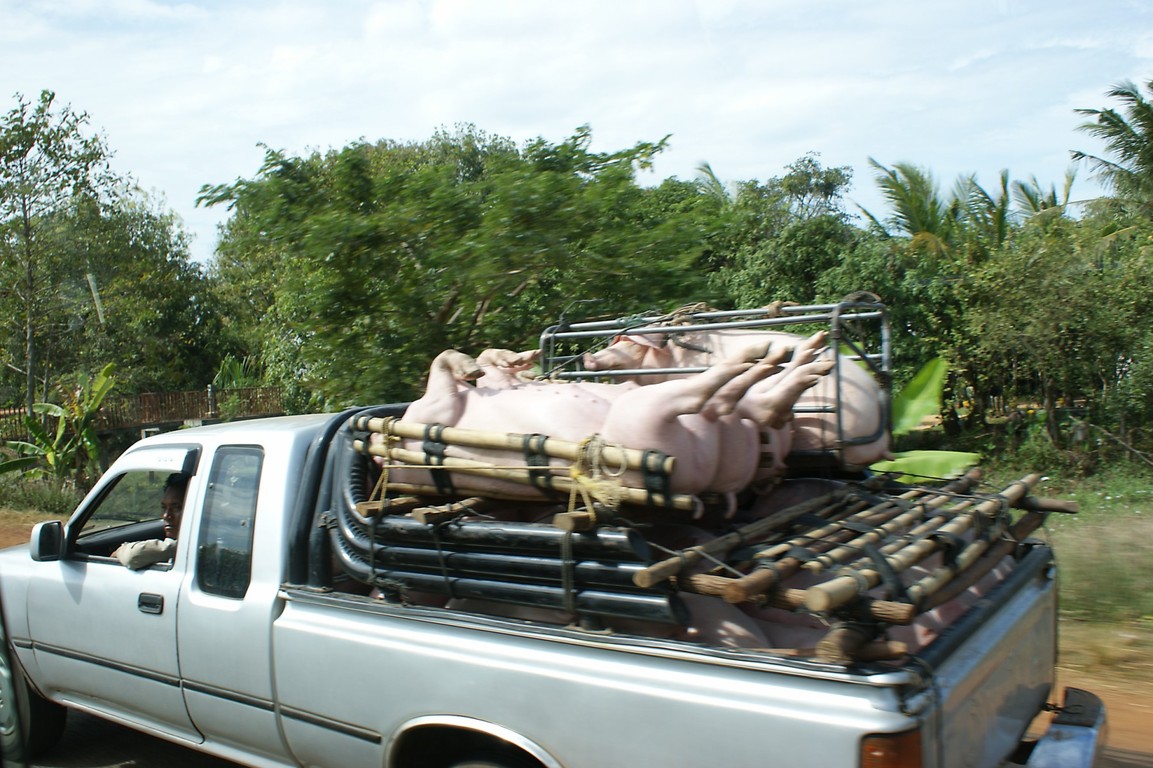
(363, 263)
(778, 237)
(46, 161)
(135, 297)
(1055, 318)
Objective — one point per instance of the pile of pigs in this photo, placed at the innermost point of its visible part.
(699, 476)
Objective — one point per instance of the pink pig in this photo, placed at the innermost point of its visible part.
(709, 422)
(861, 399)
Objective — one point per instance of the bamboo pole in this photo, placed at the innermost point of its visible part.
(942, 593)
(767, 575)
(843, 589)
(434, 514)
(628, 458)
(960, 485)
(1037, 510)
(886, 611)
(518, 474)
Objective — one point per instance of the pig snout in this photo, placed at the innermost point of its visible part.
(622, 354)
(591, 362)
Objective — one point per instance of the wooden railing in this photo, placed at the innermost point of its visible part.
(166, 409)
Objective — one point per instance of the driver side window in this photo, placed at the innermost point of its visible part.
(129, 511)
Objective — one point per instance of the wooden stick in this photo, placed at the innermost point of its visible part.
(837, 592)
(843, 642)
(904, 520)
(670, 567)
(887, 611)
(961, 485)
(436, 514)
(629, 458)
(767, 576)
(395, 505)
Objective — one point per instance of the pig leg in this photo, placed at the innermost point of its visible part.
(726, 398)
(503, 367)
(664, 402)
(711, 393)
(449, 369)
(693, 420)
(442, 401)
(772, 403)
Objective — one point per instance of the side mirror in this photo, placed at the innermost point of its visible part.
(47, 541)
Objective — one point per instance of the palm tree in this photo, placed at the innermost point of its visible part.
(919, 211)
(1128, 137)
(712, 186)
(985, 219)
(1032, 199)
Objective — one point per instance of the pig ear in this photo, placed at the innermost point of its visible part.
(654, 340)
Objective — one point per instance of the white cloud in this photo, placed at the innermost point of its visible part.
(186, 91)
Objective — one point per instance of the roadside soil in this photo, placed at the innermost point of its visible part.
(1114, 662)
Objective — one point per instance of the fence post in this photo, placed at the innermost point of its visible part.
(211, 402)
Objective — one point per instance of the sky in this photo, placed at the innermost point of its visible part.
(188, 92)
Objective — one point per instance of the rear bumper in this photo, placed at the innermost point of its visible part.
(1076, 736)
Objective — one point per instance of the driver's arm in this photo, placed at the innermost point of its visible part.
(141, 554)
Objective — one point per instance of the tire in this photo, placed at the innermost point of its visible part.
(12, 743)
(30, 724)
(44, 722)
(497, 760)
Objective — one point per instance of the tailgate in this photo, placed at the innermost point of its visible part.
(994, 668)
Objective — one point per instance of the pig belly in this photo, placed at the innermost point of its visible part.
(570, 412)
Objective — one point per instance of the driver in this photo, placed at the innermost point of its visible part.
(141, 554)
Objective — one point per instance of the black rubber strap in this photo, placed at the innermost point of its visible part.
(889, 577)
(534, 456)
(434, 451)
(657, 482)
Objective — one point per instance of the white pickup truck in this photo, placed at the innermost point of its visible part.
(313, 614)
(254, 645)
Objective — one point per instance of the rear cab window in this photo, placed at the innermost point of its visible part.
(224, 545)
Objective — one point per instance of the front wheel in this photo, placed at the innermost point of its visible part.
(44, 721)
(30, 724)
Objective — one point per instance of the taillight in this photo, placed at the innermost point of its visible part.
(892, 750)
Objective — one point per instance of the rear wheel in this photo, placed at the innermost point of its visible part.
(504, 759)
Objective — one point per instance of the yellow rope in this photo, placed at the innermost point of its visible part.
(589, 479)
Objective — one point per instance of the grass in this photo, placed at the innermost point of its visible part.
(1103, 551)
(1105, 565)
(36, 493)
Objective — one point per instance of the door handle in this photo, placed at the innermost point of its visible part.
(147, 602)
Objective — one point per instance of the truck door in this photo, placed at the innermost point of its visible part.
(227, 608)
(104, 636)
